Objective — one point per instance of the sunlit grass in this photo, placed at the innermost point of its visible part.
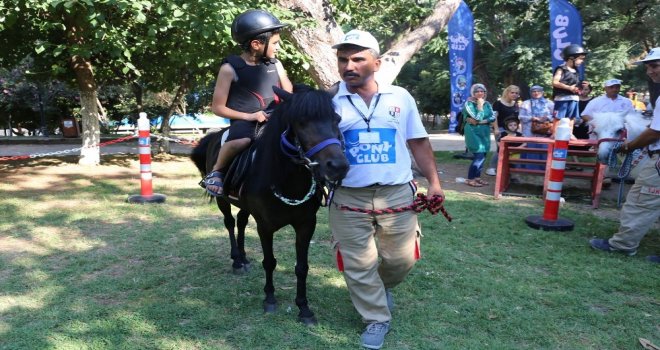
(83, 269)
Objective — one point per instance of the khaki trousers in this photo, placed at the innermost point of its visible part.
(378, 251)
(641, 209)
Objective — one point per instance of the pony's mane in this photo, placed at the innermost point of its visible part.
(607, 123)
(308, 105)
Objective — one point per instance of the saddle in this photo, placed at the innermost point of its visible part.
(239, 168)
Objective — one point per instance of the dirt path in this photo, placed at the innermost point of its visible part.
(530, 188)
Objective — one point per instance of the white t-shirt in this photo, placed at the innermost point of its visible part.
(655, 124)
(605, 104)
(378, 154)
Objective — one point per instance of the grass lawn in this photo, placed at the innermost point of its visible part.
(82, 269)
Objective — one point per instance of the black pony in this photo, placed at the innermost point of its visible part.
(298, 150)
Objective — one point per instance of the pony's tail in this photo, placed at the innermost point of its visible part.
(198, 154)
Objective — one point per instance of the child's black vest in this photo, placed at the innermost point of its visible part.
(568, 78)
(253, 91)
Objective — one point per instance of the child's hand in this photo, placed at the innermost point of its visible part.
(259, 117)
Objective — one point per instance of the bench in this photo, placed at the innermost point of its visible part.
(594, 172)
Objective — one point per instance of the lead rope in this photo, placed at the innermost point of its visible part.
(626, 166)
(433, 204)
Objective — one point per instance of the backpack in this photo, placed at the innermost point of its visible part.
(460, 125)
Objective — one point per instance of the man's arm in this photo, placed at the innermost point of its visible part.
(423, 153)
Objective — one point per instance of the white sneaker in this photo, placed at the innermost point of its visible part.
(491, 172)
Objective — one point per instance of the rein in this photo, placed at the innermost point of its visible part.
(433, 204)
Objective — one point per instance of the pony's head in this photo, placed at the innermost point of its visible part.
(307, 129)
(610, 128)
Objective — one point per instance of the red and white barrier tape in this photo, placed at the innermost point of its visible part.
(180, 141)
(57, 153)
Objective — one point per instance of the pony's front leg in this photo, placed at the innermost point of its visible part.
(269, 263)
(303, 238)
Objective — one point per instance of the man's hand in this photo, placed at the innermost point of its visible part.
(624, 148)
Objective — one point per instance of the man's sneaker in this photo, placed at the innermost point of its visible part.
(604, 245)
(390, 299)
(374, 336)
(491, 172)
(653, 258)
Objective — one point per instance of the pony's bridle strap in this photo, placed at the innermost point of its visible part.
(296, 152)
(624, 136)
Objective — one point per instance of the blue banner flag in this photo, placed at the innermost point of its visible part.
(565, 29)
(460, 39)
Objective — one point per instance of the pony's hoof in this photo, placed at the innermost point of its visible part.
(270, 308)
(308, 321)
(241, 270)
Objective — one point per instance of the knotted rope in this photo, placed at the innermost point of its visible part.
(625, 167)
(433, 204)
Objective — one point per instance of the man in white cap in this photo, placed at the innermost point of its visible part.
(642, 207)
(611, 101)
(376, 252)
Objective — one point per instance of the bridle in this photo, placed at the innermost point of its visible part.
(301, 157)
(622, 138)
(298, 155)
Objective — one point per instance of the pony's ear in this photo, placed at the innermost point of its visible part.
(281, 93)
(301, 88)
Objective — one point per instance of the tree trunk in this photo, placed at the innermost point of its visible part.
(91, 134)
(403, 49)
(164, 145)
(137, 91)
(317, 41)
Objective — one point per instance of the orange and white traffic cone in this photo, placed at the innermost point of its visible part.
(147, 194)
(550, 221)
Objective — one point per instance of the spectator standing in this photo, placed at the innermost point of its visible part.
(378, 121)
(505, 107)
(610, 101)
(478, 119)
(536, 109)
(632, 96)
(581, 131)
(642, 207)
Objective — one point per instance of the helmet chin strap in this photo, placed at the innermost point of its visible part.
(264, 54)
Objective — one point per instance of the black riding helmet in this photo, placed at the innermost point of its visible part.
(573, 50)
(251, 23)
